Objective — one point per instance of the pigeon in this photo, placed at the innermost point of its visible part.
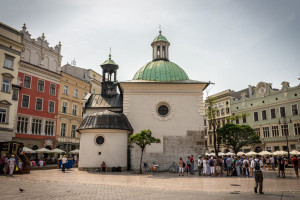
(21, 190)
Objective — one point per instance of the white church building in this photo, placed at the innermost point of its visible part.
(160, 97)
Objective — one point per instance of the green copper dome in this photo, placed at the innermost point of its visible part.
(160, 37)
(109, 61)
(162, 71)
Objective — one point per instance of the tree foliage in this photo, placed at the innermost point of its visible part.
(143, 139)
(237, 136)
(211, 112)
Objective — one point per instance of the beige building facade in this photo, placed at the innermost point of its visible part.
(10, 53)
(72, 91)
(88, 75)
(222, 102)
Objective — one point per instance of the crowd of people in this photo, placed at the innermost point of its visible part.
(9, 164)
(251, 166)
(235, 165)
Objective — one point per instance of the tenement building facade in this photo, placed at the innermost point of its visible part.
(71, 93)
(273, 114)
(39, 73)
(10, 54)
(88, 75)
(222, 104)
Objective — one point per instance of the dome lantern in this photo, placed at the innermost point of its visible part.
(160, 47)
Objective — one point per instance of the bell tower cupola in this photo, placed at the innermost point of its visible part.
(109, 78)
(160, 47)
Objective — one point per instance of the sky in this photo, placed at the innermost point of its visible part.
(232, 43)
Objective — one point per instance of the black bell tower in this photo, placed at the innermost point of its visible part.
(109, 78)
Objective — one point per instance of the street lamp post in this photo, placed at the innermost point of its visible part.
(286, 133)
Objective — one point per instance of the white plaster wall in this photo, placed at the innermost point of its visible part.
(113, 150)
(186, 104)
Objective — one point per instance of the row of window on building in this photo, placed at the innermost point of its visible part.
(75, 93)
(294, 111)
(63, 127)
(38, 103)
(42, 127)
(40, 85)
(273, 131)
(64, 108)
(36, 126)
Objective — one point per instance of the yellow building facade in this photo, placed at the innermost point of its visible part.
(72, 91)
(10, 54)
(95, 80)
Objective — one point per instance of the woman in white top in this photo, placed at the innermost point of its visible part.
(11, 163)
(204, 166)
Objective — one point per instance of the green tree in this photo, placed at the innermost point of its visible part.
(210, 112)
(143, 139)
(237, 136)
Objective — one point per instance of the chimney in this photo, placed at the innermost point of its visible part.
(250, 91)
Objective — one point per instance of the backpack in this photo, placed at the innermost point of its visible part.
(295, 162)
(218, 162)
(246, 164)
(256, 165)
(183, 164)
(211, 163)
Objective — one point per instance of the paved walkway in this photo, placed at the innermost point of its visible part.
(53, 184)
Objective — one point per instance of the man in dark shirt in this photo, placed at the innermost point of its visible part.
(295, 165)
(2, 164)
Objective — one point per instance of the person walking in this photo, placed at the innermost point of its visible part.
(207, 167)
(200, 165)
(229, 163)
(11, 163)
(181, 170)
(256, 164)
(238, 165)
(64, 161)
(192, 164)
(212, 166)
(272, 161)
(204, 166)
(218, 165)
(295, 165)
(281, 167)
(246, 166)
(188, 165)
(3, 164)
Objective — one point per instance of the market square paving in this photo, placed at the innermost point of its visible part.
(53, 184)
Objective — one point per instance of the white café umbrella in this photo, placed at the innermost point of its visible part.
(251, 153)
(57, 151)
(27, 150)
(76, 151)
(265, 153)
(42, 150)
(295, 152)
(229, 154)
(221, 154)
(280, 153)
(240, 153)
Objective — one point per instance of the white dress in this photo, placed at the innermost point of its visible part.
(204, 166)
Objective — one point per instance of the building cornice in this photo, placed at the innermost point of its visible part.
(37, 71)
(13, 51)
(11, 42)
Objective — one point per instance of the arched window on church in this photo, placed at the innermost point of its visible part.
(158, 51)
(163, 51)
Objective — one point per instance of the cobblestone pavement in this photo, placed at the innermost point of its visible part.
(53, 184)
